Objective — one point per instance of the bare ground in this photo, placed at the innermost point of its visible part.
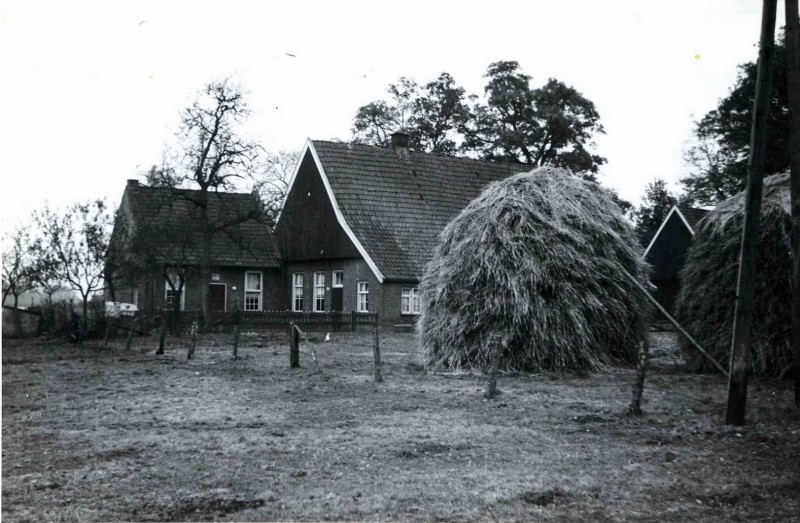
(92, 434)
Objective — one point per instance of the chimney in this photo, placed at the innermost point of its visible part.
(400, 141)
(133, 184)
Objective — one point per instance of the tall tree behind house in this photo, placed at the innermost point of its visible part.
(717, 157)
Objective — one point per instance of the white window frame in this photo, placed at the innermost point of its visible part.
(317, 288)
(260, 291)
(295, 287)
(409, 297)
(340, 284)
(167, 290)
(362, 297)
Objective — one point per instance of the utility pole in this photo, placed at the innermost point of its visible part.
(743, 317)
(793, 89)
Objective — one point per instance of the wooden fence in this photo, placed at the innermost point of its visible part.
(278, 321)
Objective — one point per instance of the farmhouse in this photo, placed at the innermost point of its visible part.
(156, 251)
(667, 251)
(360, 222)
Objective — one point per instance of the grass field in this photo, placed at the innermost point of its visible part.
(98, 435)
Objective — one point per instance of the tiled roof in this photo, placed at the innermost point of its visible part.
(397, 204)
(692, 215)
(246, 244)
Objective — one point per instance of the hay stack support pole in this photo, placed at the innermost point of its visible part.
(743, 315)
(793, 88)
(491, 389)
(676, 324)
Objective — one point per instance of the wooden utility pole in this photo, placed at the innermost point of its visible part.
(793, 89)
(743, 316)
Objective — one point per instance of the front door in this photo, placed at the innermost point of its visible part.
(336, 299)
(217, 292)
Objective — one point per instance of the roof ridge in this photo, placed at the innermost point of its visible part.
(181, 189)
(439, 155)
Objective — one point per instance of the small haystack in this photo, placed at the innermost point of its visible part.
(706, 302)
(536, 264)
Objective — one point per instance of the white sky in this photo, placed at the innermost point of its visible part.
(91, 91)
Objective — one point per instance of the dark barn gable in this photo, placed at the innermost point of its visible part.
(375, 214)
(667, 251)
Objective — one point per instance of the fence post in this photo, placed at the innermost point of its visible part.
(108, 328)
(235, 342)
(130, 333)
(163, 335)
(190, 354)
(377, 352)
(491, 390)
(294, 346)
(635, 407)
(352, 321)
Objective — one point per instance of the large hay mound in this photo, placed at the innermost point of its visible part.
(536, 264)
(707, 298)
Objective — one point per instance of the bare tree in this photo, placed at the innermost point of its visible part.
(271, 182)
(212, 156)
(77, 241)
(18, 269)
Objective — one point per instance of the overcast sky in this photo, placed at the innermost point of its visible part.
(91, 91)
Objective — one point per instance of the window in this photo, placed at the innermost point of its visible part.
(338, 278)
(319, 292)
(297, 291)
(135, 296)
(409, 301)
(252, 291)
(363, 297)
(171, 296)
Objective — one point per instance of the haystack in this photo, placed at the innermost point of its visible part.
(706, 301)
(536, 265)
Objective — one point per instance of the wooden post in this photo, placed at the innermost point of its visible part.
(108, 328)
(793, 89)
(130, 333)
(377, 352)
(675, 323)
(491, 389)
(193, 344)
(235, 342)
(641, 373)
(163, 335)
(743, 315)
(294, 346)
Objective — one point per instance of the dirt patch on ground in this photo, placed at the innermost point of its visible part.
(97, 435)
